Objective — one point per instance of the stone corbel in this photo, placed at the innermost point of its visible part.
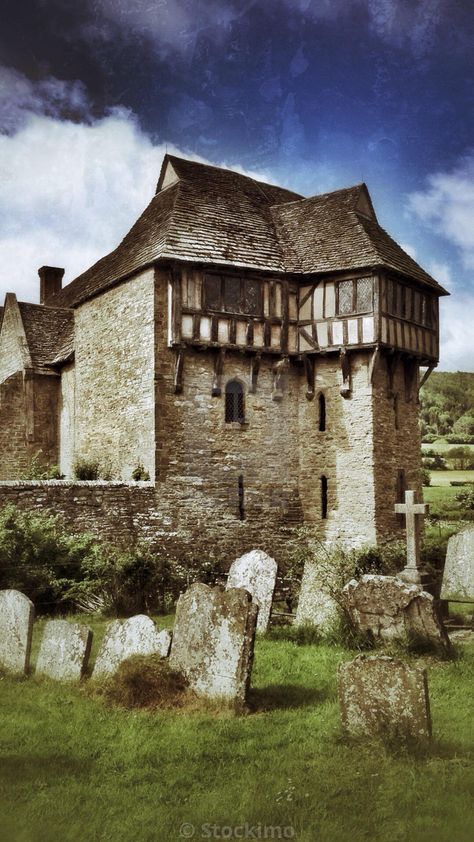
(346, 387)
(309, 371)
(178, 371)
(218, 372)
(280, 371)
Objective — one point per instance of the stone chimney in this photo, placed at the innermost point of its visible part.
(51, 279)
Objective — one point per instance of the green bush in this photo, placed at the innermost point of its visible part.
(38, 558)
(86, 469)
(140, 474)
(38, 469)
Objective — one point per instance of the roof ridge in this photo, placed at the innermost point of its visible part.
(223, 169)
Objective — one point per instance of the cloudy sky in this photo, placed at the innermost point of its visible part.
(311, 94)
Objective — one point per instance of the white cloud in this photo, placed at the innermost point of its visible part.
(411, 250)
(70, 191)
(446, 205)
(456, 346)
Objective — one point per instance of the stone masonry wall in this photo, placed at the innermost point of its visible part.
(28, 422)
(114, 391)
(13, 450)
(397, 445)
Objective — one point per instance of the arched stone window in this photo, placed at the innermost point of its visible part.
(234, 402)
(322, 412)
(324, 497)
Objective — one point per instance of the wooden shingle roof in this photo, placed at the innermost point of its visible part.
(216, 216)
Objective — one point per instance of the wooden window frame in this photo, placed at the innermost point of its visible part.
(354, 311)
(241, 280)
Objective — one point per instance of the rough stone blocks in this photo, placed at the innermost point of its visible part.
(389, 609)
(458, 577)
(16, 628)
(213, 641)
(380, 695)
(64, 651)
(123, 638)
(256, 572)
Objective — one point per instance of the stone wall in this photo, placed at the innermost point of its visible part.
(13, 450)
(28, 422)
(114, 378)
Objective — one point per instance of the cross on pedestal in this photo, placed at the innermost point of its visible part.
(413, 513)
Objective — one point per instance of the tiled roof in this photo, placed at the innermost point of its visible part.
(213, 215)
(49, 330)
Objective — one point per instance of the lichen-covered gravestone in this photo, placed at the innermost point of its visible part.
(17, 616)
(213, 641)
(256, 572)
(64, 651)
(123, 638)
(381, 695)
(315, 606)
(390, 609)
(458, 576)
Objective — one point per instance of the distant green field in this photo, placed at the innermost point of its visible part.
(441, 446)
(447, 477)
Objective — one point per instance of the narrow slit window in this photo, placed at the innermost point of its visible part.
(324, 497)
(234, 402)
(322, 412)
(241, 498)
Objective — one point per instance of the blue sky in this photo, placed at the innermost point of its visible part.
(311, 94)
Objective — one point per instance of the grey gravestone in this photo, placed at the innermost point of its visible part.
(17, 614)
(64, 651)
(390, 609)
(315, 605)
(213, 640)
(123, 638)
(256, 572)
(381, 695)
(458, 576)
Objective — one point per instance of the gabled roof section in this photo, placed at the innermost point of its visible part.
(339, 232)
(210, 215)
(205, 214)
(48, 330)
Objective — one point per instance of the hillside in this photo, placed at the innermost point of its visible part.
(447, 405)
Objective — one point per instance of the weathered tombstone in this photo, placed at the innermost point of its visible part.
(414, 513)
(123, 638)
(458, 576)
(390, 609)
(213, 641)
(17, 614)
(256, 572)
(315, 606)
(64, 651)
(380, 695)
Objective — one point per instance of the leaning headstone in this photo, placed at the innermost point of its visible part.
(256, 572)
(315, 606)
(123, 638)
(389, 609)
(64, 651)
(458, 576)
(17, 614)
(213, 641)
(381, 695)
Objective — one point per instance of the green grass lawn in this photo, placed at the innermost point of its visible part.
(72, 769)
(447, 477)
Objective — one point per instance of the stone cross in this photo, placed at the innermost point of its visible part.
(412, 511)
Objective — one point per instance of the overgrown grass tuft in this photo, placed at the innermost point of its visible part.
(144, 681)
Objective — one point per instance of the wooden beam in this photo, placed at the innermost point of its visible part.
(373, 362)
(218, 371)
(427, 373)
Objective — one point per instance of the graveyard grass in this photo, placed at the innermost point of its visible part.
(73, 769)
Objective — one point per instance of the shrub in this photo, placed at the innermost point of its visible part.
(38, 558)
(86, 469)
(38, 469)
(426, 477)
(145, 681)
(140, 474)
(429, 438)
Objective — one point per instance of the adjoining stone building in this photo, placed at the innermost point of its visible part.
(255, 351)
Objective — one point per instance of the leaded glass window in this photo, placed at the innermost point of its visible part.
(234, 402)
(232, 296)
(364, 295)
(252, 297)
(346, 298)
(212, 292)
